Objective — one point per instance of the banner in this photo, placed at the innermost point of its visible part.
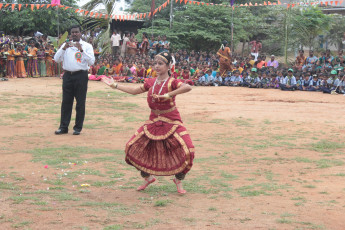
(153, 11)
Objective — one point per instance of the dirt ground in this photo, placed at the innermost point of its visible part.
(265, 159)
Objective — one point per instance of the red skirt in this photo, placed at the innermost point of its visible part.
(161, 147)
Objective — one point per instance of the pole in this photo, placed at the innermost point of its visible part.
(171, 13)
(152, 27)
(58, 23)
(232, 29)
(58, 28)
(286, 35)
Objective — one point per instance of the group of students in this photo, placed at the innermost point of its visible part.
(27, 58)
(206, 73)
(284, 79)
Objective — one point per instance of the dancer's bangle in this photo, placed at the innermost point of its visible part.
(167, 96)
(114, 85)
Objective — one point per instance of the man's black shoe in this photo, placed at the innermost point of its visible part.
(76, 132)
(60, 131)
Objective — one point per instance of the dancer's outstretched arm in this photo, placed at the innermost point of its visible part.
(127, 89)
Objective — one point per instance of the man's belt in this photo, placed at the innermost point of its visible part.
(75, 72)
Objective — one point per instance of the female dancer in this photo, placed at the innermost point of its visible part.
(162, 145)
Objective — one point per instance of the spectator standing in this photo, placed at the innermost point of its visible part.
(115, 40)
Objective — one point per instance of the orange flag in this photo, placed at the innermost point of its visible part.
(91, 14)
(86, 12)
(13, 5)
(176, 1)
(202, 3)
(67, 7)
(6, 5)
(37, 6)
(160, 8)
(96, 15)
(42, 5)
(32, 7)
(279, 3)
(76, 11)
(48, 5)
(336, 3)
(1, 5)
(331, 2)
(326, 3)
(19, 6)
(198, 3)
(144, 15)
(81, 11)
(100, 15)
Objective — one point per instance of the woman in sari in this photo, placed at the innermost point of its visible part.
(32, 66)
(144, 45)
(41, 56)
(162, 146)
(10, 64)
(224, 54)
(49, 61)
(20, 68)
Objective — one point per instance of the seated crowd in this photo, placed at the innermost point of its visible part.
(324, 73)
(133, 62)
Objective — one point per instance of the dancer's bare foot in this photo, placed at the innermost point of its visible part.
(148, 180)
(179, 186)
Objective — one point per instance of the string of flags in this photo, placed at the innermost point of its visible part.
(137, 16)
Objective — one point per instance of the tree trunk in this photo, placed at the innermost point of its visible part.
(243, 44)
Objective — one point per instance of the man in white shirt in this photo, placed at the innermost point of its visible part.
(115, 40)
(77, 56)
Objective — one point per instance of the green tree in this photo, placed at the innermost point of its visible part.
(44, 20)
(200, 27)
(307, 24)
(336, 32)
